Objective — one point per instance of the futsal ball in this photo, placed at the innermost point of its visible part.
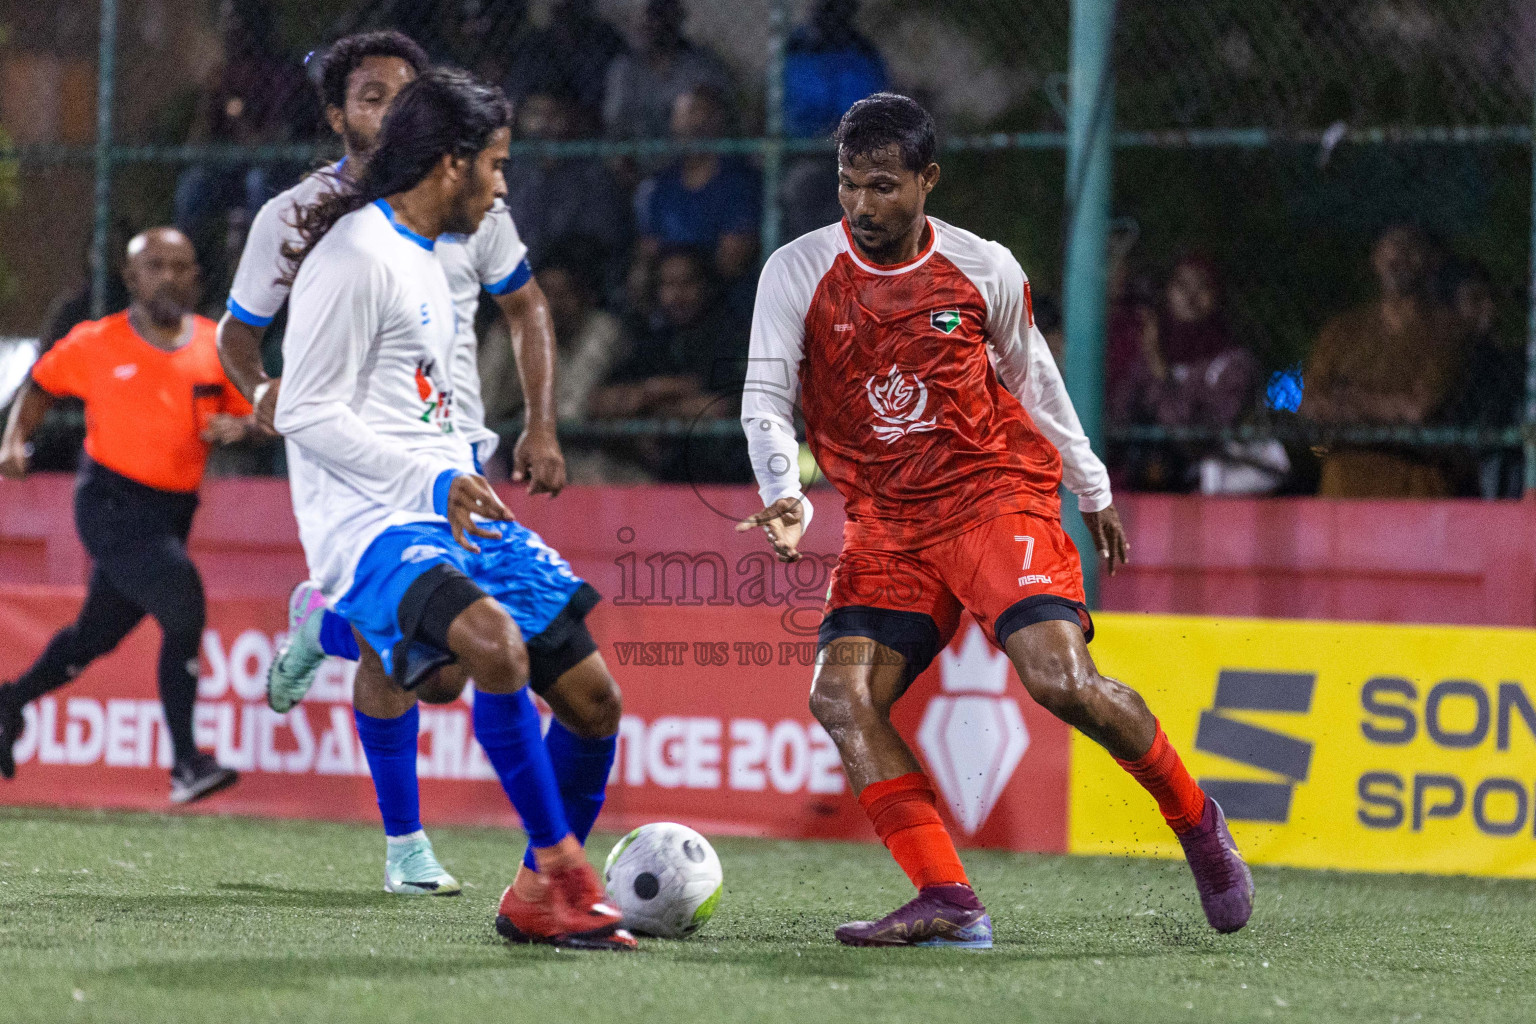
(665, 879)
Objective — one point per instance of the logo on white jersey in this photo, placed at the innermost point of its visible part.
(125, 371)
(439, 401)
(899, 400)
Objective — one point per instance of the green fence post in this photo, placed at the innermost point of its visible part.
(106, 74)
(1530, 331)
(773, 127)
(1090, 125)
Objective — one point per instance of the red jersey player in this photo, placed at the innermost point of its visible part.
(931, 402)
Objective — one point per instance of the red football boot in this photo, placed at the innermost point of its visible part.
(572, 912)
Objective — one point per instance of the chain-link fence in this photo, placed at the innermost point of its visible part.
(1262, 147)
(1338, 192)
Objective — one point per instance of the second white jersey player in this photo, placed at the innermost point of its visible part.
(493, 259)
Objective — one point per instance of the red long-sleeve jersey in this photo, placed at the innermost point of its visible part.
(930, 398)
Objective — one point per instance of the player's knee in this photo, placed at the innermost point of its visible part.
(499, 662)
(837, 699)
(489, 646)
(600, 713)
(443, 687)
(1059, 682)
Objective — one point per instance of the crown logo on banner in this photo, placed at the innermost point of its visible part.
(972, 734)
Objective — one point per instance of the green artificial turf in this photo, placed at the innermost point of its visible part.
(149, 918)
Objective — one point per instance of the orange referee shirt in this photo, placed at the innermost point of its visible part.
(145, 408)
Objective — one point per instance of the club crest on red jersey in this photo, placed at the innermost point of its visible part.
(945, 321)
(899, 400)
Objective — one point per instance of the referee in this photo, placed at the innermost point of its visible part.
(156, 400)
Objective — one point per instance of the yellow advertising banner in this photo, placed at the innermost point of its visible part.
(1328, 745)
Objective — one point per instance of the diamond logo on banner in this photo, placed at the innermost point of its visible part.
(973, 734)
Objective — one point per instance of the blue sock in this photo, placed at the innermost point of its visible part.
(336, 637)
(390, 744)
(581, 768)
(507, 726)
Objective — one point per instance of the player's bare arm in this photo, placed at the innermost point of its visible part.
(240, 355)
(536, 457)
(226, 428)
(26, 413)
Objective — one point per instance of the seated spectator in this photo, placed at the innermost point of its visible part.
(1491, 390)
(688, 345)
(829, 65)
(571, 57)
(587, 338)
(1392, 362)
(704, 201)
(644, 84)
(1188, 370)
(563, 197)
(256, 96)
(1199, 374)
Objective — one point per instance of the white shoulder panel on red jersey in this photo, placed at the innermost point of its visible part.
(784, 295)
(1023, 359)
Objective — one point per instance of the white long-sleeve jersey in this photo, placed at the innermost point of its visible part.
(494, 258)
(930, 398)
(367, 397)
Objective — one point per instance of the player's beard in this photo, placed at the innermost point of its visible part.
(356, 141)
(465, 214)
(883, 247)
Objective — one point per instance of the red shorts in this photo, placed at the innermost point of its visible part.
(1009, 572)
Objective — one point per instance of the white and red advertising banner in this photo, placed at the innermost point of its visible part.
(716, 731)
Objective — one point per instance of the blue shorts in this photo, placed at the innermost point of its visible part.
(523, 574)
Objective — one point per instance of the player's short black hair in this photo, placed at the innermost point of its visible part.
(886, 119)
(348, 52)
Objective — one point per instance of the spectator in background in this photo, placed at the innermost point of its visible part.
(678, 351)
(1188, 370)
(473, 34)
(1198, 375)
(1201, 376)
(1392, 362)
(1490, 392)
(571, 58)
(828, 66)
(257, 96)
(704, 201)
(587, 337)
(644, 84)
(562, 197)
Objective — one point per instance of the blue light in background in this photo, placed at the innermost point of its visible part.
(1285, 389)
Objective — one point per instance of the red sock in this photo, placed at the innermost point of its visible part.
(1162, 772)
(903, 813)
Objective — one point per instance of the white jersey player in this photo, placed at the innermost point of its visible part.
(407, 540)
(360, 76)
(493, 259)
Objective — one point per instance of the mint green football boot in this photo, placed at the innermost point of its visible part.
(293, 669)
(411, 868)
